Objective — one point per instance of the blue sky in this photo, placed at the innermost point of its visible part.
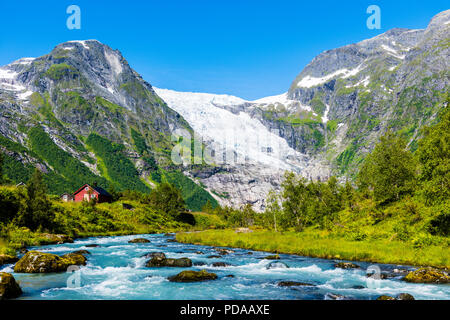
(246, 48)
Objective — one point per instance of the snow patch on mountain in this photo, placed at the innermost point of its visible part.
(310, 81)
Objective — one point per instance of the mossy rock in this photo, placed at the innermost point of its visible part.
(158, 255)
(139, 240)
(427, 275)
(193, 276)
(39, 262)
(405, 296)
(158, 261)
(346, 265)
(9, 289)
(384, 298)
(272, 257)
(75, 258)
(293, 284)
(7, 259)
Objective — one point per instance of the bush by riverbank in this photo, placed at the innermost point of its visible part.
(323, 244)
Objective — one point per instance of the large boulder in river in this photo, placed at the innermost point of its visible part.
(9, 289)
(193, 276)
(39, 262)
(405, 296)
(427, 275)
(160, 261)
(7, 259)
(139, 240)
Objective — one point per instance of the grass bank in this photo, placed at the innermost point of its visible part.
(321, 244)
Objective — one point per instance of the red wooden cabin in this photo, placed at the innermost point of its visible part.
(87, 193)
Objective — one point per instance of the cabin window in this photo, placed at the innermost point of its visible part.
(92, 196)
(86, 189)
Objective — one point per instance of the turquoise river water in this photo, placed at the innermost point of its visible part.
(116, 270)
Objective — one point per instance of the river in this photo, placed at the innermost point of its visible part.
(116, 270)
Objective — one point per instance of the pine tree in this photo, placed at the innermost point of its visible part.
(36, 212)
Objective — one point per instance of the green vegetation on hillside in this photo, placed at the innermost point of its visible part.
(74, 173)
(194, 195)
(120, 169)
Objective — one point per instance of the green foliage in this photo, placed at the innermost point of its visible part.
(167, 198)
(434, 158)
(389, 171)
(36, 211)
(74, 174)
(60, 71)
(194, 195)
(346, 157)
(306, 203)
(120, 170)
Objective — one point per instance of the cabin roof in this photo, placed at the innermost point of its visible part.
(98, 190)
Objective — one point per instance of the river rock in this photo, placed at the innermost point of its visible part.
(160, 261)
(160, 255)
(75, 258)
(139, 240)
(427, 275)
(334, 296)
(272, 257)
(199, 263)
(405, 296)
(171, 240)
(385, 297)
(7, 259)
(214, 256)
(346, 265)
(193, 276)
(56, 238)
(277, 265)
(92, 245)
(293, 284)
(221, 264)
(381, 276)
(223, 252)
(39, 262)
(9, 289)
